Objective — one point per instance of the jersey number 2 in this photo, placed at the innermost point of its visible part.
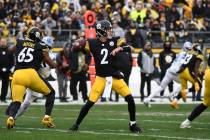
(26, 55)
(104, 52)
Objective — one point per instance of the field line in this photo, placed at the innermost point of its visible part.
(111, 133)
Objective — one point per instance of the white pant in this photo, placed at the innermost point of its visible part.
(30, 96)
(169, 77)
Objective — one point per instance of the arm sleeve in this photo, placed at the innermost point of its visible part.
(139, 60)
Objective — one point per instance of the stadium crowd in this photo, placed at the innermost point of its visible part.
(155, 19)
(136, 20)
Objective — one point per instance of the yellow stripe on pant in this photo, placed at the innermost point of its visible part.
(28, 78)
(118, 85)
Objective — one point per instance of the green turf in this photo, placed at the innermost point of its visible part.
(107, 122)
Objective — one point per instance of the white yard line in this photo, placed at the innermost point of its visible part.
(109, 133)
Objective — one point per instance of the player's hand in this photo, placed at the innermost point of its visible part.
(116, 50)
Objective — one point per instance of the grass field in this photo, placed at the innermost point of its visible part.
(108, 122)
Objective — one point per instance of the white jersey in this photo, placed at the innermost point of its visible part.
(178, 62)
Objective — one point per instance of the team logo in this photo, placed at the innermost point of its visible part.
(98, 26)
(37, 34)
(168, 59)
(111, 43)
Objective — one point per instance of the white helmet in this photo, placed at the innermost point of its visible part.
(48, 40)
(187, 46)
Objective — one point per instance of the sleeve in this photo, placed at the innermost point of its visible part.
(121, 42)
(200, 56)
(139, 60)
(161, 61)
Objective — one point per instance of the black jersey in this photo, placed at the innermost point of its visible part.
(104, 62)
(29, 53)
(189, 61)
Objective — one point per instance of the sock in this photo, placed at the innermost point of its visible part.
(84, 111)
(179, 96)
(14, 108)
(132, 123)
(131, 107)
(49, 103)
(197, 111)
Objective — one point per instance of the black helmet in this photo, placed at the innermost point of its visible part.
(34, 33)
(102, 27)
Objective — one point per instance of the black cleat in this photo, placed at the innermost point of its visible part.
(135, 129)
(75, 127)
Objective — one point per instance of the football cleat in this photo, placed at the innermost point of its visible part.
(147, 103)
(75, 127)
(185, 124)
(48, 122)
(184, 95)
(10, 123)
(135, 129)
(174, 104)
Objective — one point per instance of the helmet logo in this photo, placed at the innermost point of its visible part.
(98, 26)
(111, 43)
(37, 34)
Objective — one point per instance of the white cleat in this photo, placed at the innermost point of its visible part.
(147, 103)
(185, 124)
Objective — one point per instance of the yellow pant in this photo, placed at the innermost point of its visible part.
(185, 76)
(28, 78)
(206, 100)
(118, 85)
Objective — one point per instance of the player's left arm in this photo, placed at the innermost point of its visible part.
(198, 61)
(121, 46)
(48, 60)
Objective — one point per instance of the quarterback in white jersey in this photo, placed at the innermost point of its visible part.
(171, 75)
(44, 71)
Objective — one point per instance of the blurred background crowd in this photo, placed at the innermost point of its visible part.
(165, 23)
(142, 19)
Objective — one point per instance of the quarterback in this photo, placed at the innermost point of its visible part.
(104, 49)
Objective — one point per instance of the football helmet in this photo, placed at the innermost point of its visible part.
(187, 46)
(197, 48)
(48, 40)
(104, 29)
(34, 33)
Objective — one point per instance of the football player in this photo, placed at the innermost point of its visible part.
(190, 70)
(171, 75)
(44, 71)
(104, 49)
(30, 52)
(203, 106)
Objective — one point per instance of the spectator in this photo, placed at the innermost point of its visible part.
(146, 62)
(134, 36)
(48, 25)
(6, 63)
(198, 9)
(117, 30)
(137, 14)
(62, 72)
(166, 58)
(79, 63)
